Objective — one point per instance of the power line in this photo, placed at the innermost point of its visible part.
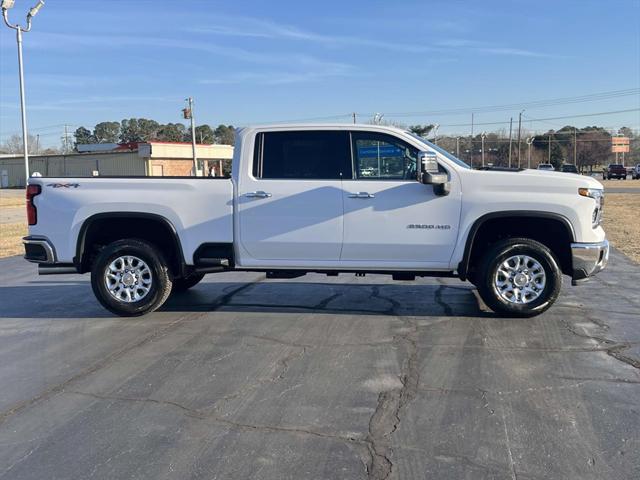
(549, 118)
(529, 105)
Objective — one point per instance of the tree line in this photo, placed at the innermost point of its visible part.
(587, 147)
(145, 130)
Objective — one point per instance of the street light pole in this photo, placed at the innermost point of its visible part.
(6, 5)
(529, 142)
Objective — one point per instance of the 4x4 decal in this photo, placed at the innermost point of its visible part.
(63, 185)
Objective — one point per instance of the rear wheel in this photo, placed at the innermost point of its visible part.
(519, 277)
(182, 284)
(130, 278)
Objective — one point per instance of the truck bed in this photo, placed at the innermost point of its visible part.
(200, 209)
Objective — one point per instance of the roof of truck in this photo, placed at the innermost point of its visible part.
(323, 126)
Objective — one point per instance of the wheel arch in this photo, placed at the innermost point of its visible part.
(484, 221)
(169, 242)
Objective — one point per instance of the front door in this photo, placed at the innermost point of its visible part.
(391, 220)
(290, 207)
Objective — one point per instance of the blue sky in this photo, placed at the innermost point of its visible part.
(251, 62)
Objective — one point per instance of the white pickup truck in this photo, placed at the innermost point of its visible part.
(328, 199)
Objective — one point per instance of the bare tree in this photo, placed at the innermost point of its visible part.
(13, 144)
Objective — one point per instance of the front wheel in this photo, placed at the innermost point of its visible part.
(519, 277)
(130, 278)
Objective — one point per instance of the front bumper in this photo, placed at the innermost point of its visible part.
(588, 259)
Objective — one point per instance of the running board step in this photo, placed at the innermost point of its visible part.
(212, 265)
(213, 262)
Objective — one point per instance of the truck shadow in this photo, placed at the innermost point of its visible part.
(331, 298)
(74, 299)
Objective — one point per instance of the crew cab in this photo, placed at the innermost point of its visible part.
(328, 199)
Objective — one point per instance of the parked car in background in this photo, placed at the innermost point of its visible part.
(615, 170)
(569, 168)
(635, 174)
(546, 166)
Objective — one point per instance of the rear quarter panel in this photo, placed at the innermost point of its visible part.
(200, 210)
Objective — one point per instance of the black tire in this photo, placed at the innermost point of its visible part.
(182, 284)
(501, 251)
(158, 291)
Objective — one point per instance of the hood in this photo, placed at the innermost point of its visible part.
(538, 180)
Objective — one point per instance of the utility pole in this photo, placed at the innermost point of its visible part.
(519, 132)
(471, 149)
(188, 114)
(65, 139)
(6, 5)
(354, 117)
(482, 137)
(37, 144)
(575, 146)
(549, 148)
(510, 138)
(458, 147)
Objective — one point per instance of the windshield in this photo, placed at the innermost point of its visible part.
(440, 150)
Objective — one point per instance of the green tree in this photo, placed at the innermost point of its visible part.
(171, 132)
(205, 134)
(421, 130)
(224, 134)
(83, 136)
(107, 132)
(148, 129)
(138, 130)
(130, 131)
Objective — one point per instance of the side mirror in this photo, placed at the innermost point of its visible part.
(430, 174)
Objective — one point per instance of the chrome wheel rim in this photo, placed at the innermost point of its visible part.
(128, 279)
(519, 279)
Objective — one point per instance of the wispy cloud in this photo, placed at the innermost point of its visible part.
(516, 52)
(274, 78)
(257, 28)
(96, 102)
(489, 49)
(70, 42)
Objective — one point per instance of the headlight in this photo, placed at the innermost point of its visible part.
(598, 195)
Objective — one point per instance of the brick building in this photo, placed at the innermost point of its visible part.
(176, 159)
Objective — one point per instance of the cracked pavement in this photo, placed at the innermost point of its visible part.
(318, 378)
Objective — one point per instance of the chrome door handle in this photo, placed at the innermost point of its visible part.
(361, 195)
(258, 194)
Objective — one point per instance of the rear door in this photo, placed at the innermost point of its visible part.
(391, 220)
(290, 206)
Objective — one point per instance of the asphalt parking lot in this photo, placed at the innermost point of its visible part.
(318, 377)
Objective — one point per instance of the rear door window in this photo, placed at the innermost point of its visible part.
(304, 155)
